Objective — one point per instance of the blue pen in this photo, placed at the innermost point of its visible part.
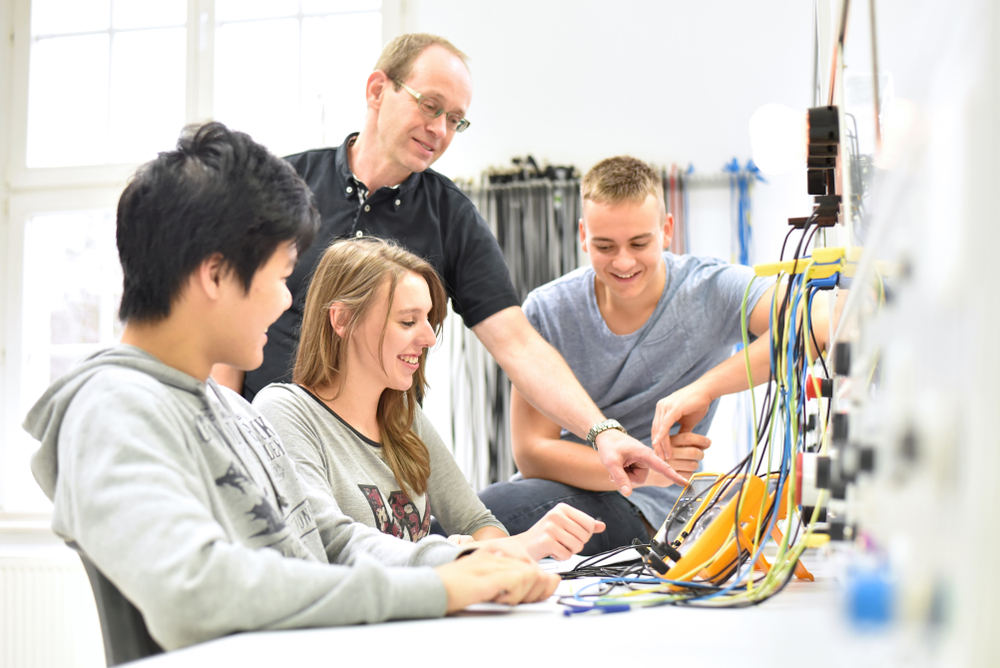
(575, 609)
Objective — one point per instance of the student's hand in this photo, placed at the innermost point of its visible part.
(507, 546)
(628, 461)
(688, 450)
(687, 406)
(561, 533)
(460, 539)
(487, 575)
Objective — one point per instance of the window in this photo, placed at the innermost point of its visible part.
(101, 86)
(106, 80)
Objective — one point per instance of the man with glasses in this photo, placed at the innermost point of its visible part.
(379, 183)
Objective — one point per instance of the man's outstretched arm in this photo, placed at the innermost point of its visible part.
(545, 380)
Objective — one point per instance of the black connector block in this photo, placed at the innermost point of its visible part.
(656, 563)
(824, 126)
(665, 550)
(867, 463)
(840, 431)
(842, 358)
(823, 472)
(807, 513)
(822, 150)
(816, 181)
(821, 162)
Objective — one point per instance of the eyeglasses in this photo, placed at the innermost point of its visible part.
(429, 107)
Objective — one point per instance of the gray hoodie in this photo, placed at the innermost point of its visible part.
(183, 496)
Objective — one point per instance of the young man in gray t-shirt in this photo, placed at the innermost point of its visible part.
(636, 327)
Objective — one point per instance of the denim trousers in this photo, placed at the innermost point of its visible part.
(518, 504)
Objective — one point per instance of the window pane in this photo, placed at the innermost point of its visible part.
(68, 101)
(146, 14)
(257, 82)
(339, 52)
(147, 93)
(53, 17)
(72, 287)
(241, 10)
(330, 6)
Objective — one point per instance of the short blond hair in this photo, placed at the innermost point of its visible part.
(399, 55)
(622, 179)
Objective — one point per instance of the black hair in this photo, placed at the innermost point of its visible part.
(218, 192)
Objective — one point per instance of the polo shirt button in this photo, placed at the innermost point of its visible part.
(349, 190)
(397, 202)
(359, 234)
(367, 208)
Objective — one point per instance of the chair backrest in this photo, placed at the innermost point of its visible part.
(126, 637)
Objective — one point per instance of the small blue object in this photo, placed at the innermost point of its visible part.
(869, 599)
(829, 282)
(576, 609)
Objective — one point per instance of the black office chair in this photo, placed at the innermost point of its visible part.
(126, 637)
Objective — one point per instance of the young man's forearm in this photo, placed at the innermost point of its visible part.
(566, 462)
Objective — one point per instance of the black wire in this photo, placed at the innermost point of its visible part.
(590, 567)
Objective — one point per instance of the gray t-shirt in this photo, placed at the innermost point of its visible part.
(693, 328)
(334, 460)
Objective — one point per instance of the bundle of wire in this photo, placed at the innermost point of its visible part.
(780, 435)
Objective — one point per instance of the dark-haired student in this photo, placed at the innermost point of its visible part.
(176, 488)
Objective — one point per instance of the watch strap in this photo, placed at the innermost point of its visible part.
(602, 426)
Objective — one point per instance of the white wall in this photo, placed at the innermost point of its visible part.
(575, 81)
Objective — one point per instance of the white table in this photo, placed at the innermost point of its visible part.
(802, 625)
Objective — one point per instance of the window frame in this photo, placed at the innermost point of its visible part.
(26, 192)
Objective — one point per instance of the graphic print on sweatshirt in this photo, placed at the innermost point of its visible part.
(263, 513)
(399, 516)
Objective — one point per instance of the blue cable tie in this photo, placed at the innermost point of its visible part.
(829, 282)
(604, 609)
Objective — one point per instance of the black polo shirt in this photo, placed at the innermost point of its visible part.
(426, 213)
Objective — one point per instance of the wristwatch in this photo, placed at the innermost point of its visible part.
(603, 425)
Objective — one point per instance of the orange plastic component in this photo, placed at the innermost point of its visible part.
(706, 559)
(715, 535)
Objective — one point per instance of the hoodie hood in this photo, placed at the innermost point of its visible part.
(45, 418)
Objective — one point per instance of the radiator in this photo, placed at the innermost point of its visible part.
(47, 614)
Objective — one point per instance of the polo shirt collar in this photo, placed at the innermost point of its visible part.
(343, 169)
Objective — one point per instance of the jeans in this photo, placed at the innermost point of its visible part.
(520, 503)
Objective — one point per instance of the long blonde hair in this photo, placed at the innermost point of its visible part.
(352, 272)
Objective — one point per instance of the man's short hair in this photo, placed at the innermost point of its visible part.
(622, 179)
(399, 55)
(217, 192)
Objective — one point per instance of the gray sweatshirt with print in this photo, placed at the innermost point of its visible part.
(335, 461)
(184, 497)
